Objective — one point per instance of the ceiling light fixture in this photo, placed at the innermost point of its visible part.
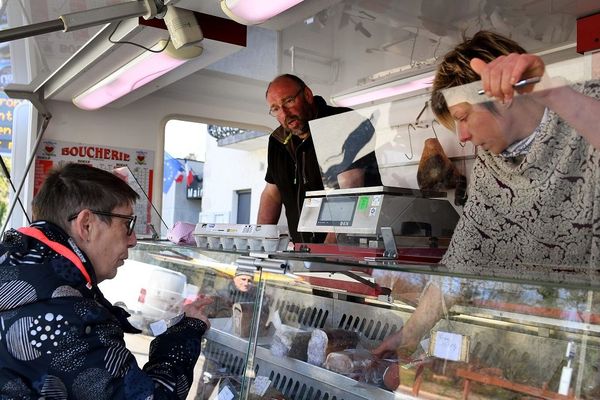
(136, 73)
(380, 91)
(251, 12)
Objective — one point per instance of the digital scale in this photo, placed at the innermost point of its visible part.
(408, 217)
(364, 211)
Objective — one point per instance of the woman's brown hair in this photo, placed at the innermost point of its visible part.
(455, 68)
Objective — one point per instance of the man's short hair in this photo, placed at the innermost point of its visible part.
(455, 68)
(74, 187)
(301, 84)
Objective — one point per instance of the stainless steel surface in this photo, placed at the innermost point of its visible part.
(312, 311)
(391, 249)
(288, 374)
(297, 379)
(30, 30)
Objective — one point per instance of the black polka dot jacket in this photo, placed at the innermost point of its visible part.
(61, 339)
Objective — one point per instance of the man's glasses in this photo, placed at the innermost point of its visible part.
(130, 218)
(286, 103)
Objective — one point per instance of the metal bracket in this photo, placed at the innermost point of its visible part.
(155, 235)
(267, 265)
(391, 250)
(384, 291)
(87, 18)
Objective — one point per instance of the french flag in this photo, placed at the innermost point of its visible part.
(189, 173)
(179, 176)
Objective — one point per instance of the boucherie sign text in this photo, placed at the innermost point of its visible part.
(95, 152)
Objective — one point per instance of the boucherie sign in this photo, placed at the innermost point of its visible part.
(56, 152)
(95, 152)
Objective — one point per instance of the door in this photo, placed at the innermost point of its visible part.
(243, 206)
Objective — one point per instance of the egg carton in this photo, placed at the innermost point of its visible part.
(241, 237)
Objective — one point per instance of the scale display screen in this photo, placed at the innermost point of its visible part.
(337, 211)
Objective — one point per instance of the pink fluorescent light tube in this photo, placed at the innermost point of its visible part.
(374, 94)
(250, 12)
(136, 73)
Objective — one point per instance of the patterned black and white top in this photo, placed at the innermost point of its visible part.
(542, 209)
(61, 339)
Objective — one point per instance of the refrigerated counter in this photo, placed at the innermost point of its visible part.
(510, 335)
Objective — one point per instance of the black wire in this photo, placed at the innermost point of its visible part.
(135, 44)
(147, 198)
(42, 129)
(157, 73)
(8, 178)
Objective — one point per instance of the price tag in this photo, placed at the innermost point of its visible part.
(449, 346)
(158, 327)
(260, 385)
(376, 200)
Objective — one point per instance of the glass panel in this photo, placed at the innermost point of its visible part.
(529, 174)
(506, 309)
(156, 280)
(374, 334)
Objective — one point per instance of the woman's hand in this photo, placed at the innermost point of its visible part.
(389, 347)
(499, 75)
(195, 309)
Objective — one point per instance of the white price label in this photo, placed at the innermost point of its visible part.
(158, 327)
(225, 394)
(260, 385)
(448, 346)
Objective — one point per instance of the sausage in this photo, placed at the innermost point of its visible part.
(325, 341)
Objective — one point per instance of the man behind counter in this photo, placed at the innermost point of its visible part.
(293, 168)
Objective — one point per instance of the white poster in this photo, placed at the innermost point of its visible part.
(52, 153)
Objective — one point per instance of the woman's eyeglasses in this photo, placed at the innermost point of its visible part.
(130, 218)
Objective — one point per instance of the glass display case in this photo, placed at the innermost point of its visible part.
(354, 327)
